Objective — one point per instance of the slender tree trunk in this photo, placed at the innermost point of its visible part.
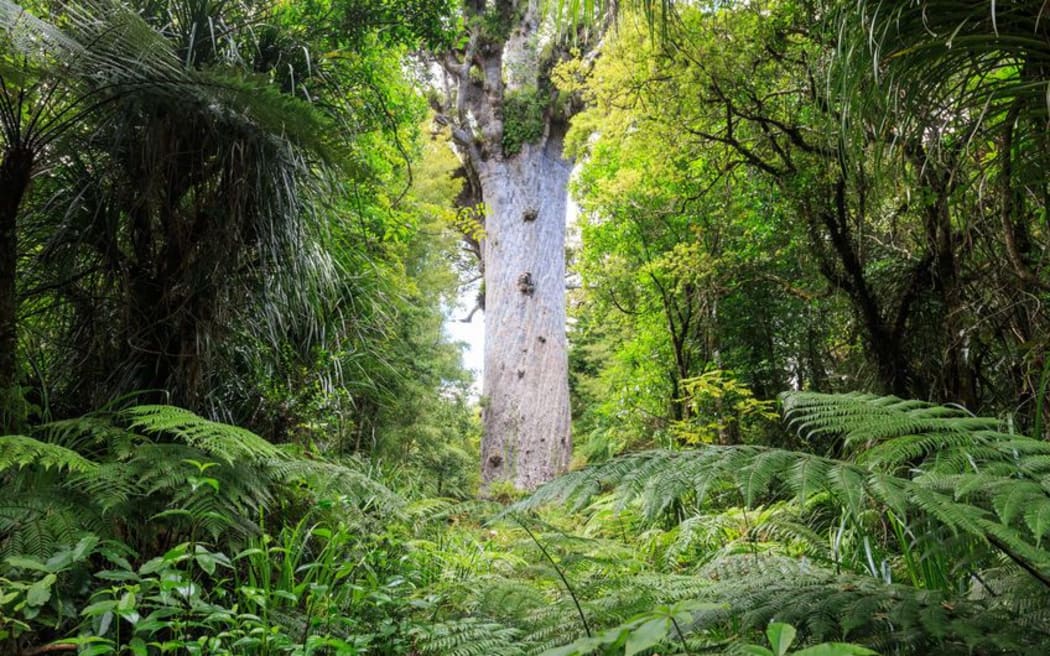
(15, 170)
(526, 384)
(957, 379)
(882, 341)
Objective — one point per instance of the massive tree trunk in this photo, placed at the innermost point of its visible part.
(15, 170)
(526, 384)
(510, 138)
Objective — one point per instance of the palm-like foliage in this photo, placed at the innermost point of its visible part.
(180, 229)
(963, 53)
(51, 80)
(964, 81)
(224, 233)
(181, 190)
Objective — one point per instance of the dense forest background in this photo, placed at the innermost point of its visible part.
(806, 339)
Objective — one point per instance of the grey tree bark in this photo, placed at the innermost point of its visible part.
(522, 178)
(526, 418)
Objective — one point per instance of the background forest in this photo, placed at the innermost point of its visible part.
(807, 329)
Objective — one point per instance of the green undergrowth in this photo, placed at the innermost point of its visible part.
(902, 528)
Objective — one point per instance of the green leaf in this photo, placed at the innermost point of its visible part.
(152, 565)
(117, 575)
(21, 562)
(99, 607)
(178, 552)
(206, 562)
(581, 646)
(647, 635)
(755, 650)
(84, 547)
(39, 593)
(835, 649)
(138, 647)
(127, 602)
(780, 637)
(105, 622)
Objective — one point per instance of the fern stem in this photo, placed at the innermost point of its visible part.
(747, 527)
(561, 575)
(681, 636)
(1021, 562)
(53, 647)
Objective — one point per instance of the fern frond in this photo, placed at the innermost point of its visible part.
(21, 451)
(109, 485)
(344, 480)
(756, 589)
(92, 435)
(469, 637)
(443, 510)
(886, 430)
(230, 443)
(38, 520)
(953, 503)
(961, 471)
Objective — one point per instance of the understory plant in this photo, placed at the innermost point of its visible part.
(150, 529)
(903, 527)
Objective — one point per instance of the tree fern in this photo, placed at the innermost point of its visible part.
(918, 484)
(976, 485)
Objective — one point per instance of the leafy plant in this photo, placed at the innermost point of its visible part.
(961, 494)
(38, 593)
(641, 634)
(158, 479)
(781, 636)
(523, 119)
(721, 409)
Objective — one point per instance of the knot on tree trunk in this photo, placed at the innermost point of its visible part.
(525, 284)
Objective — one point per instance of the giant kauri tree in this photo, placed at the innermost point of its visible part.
(508, 127)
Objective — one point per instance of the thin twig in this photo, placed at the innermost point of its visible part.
(46, 649)
(561, 575)
(681, 636)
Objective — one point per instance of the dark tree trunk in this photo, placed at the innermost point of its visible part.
(15, 171)
(957, 377)
(883, 340)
